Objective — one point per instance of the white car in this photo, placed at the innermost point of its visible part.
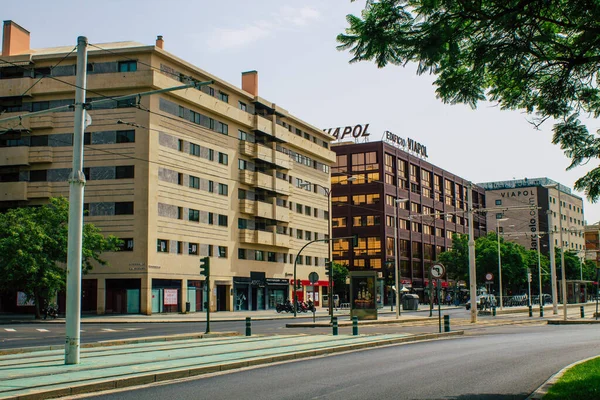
(484, 300)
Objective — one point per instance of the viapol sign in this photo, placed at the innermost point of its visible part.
(356, 131)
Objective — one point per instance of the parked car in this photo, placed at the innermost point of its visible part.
(483, 301)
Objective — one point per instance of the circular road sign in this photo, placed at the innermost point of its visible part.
(489, 276)
(438, 271)
(313, 277)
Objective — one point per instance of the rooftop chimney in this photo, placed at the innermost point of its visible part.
(15, 40)
(250, 82)
(160, 42)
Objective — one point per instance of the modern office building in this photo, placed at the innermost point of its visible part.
(367, 179)
(525, 207)
(216, 171)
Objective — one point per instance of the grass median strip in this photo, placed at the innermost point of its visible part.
(578, 383)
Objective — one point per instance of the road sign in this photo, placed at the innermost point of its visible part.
(437, 271)
(313, 277)
(489, 276)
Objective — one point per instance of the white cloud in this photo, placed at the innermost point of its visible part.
(231, 38)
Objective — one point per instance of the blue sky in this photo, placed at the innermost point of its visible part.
(292, 46)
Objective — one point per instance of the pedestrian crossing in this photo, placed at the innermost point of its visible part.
(43, 330)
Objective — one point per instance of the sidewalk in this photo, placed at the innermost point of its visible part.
(42, 374)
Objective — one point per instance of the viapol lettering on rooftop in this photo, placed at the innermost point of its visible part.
(408, 144)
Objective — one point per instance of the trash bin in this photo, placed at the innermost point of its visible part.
(410, 302)
(187, 306)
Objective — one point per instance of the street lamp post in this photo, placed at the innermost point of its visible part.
(498, 220)
(562, 253)
(396, 268)
(539, 273)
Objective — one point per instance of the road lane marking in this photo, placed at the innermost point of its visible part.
(133, 329)
(9, 330)
(108, 330)
(42, 330)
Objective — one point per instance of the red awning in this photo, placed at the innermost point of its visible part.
(306, 282)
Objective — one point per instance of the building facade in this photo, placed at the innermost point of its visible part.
(367, 178)
(214, 171)
(592, 243)
(522, 209)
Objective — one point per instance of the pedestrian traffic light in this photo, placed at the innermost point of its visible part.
(355, 240)
(205, 266)
(529, 277)
(328, 268)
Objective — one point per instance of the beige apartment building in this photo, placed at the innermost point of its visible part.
(217, 171)
(523, 208)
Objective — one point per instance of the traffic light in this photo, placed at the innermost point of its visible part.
(205, 266)
(355, 240)
(328, 268)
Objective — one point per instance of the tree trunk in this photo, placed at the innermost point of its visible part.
(38, 305)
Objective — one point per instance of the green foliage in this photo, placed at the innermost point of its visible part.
(579, 382)
(456, 260)
(33, 249)
(340, 273)
(542, 57)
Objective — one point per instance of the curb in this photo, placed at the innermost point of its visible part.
(572, 322)
(120, 342)
(541, 391)
(112, 384)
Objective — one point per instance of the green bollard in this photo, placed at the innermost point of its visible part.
(494, 311)
(446, 323)
(541, 311)
(530, 311)
(582, 312)
(335, 326)
(248, 326)
(355, 326)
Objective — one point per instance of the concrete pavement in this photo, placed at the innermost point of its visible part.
(42, 374)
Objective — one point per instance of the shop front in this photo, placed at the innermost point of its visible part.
(314, 291)
(250, 293)
(277, 291)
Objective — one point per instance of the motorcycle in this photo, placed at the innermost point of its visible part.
(51, 311)
(287, 307)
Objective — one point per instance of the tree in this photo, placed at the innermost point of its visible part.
(541, 57)
(33, 250)
(340, 273)
(456, 259)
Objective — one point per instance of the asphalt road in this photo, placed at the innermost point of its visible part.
(44, 334)
(508, 363)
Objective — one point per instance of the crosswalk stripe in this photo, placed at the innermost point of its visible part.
(9, 330)
(42, 330)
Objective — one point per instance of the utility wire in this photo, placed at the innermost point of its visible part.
(45, 76)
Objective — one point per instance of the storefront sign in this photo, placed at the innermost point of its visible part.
(277, 281)
(170, 297)
(354, 131)
(406, 144)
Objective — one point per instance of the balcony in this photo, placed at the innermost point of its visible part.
(248, 148)
(13, 191)
(269, 182)
(39, 155)
(264, 210)
(14, 156)
(248, 177)
(265, 238)
(42, 122)
(301, 143)
(39, 190)
(263, 125)
(15, 87)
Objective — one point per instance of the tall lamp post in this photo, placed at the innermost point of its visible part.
(562, 252)
(396, 265)
(498, 220)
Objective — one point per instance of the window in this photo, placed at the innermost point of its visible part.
(223, 158)
(242, 223)
(259, 255)
(223, 189)
(211, 186)
(308, 260)
(179, 212)
(193, 248)
(181, 112)
(194, 182)
(242, 135)
(36, 141)
(180, 178)
(195, 149)
(308, 235)
(299, 233)
(211, 155)
(222, 220)
(242, 164)
(307, 210)
(179, 144)
(162, 245)
(242, 106)
(211, 218)
(271, 256)
(194, 215)
(126, 245)
(124, 208)
(498, 202)
(195, 117)
(38, 176)
(126, 136)
(179, 247)
(223, 97)
(128, 66)
(299, 208)
(221, 128)
(124, 172)
(242, 254)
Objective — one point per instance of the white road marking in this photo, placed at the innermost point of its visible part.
(9, 330)
(42, 330)
(108, 330)
(133, 329)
